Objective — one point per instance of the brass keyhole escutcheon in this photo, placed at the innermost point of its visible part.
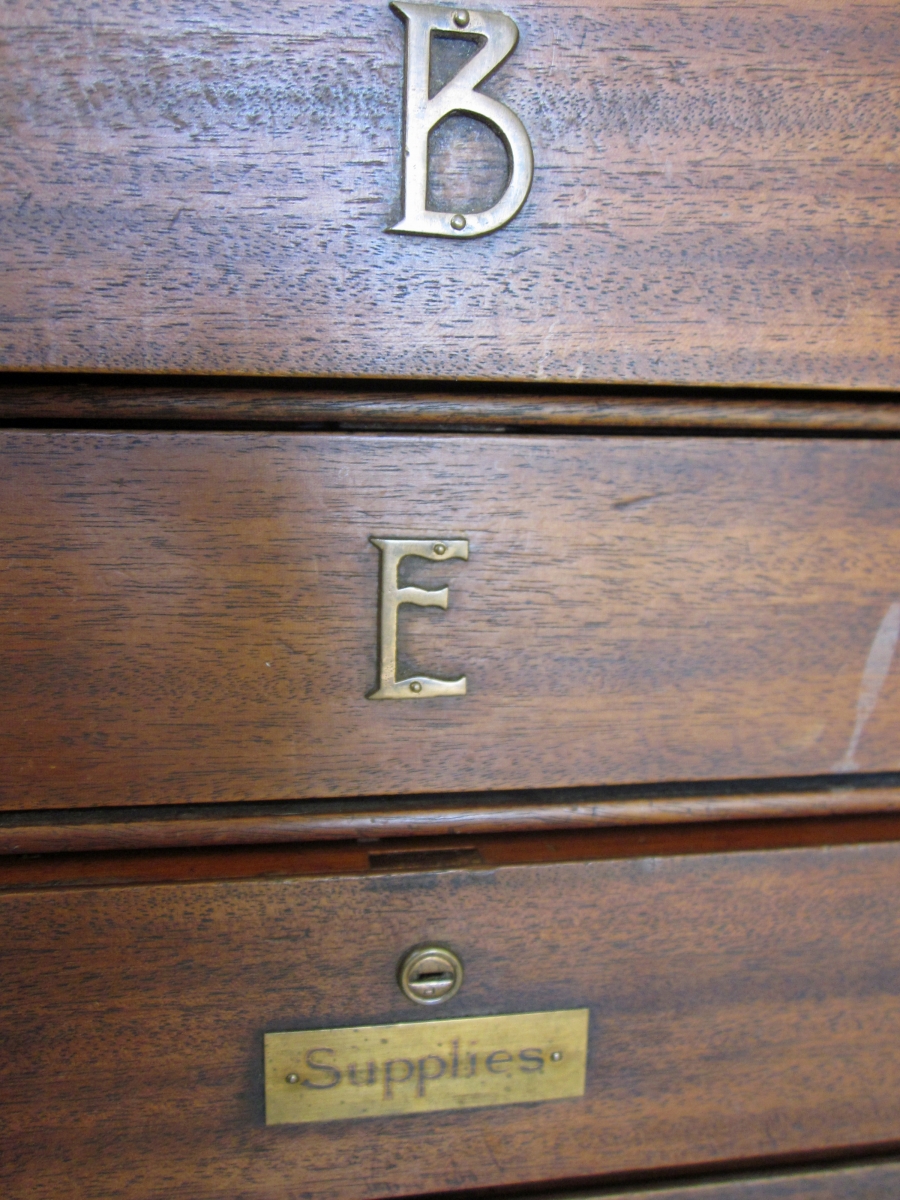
(430, 974)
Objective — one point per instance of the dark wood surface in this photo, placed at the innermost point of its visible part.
(45, 831)
(743, 1007)
(198, 187)
(159, 400)
(877, 1180)
(192, 617)
(501, 848)
(155, 400)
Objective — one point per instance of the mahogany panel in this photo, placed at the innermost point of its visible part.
(743, 1007)
(192, 617)
(205, 187)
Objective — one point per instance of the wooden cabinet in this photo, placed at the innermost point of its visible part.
(639, 757)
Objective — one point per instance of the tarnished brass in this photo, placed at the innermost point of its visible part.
(498, 34)
(430, 974)
(426, 1066)
(391, 596)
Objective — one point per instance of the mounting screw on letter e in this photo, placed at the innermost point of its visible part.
(499, 34)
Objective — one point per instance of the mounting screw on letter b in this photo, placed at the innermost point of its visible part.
(499, 34)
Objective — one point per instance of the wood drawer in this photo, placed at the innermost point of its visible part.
(199, 188)
(742, 1006)
(194, 617)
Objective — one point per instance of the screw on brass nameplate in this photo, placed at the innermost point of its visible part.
(425, 1066)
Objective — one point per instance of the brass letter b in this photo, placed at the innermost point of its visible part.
(499, 35)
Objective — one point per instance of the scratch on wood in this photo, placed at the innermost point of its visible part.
(874, 674)
(636, 501)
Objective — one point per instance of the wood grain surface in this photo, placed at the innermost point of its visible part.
(192, 617)
(155, 400)
(743, 1007)
(51, 831)
(876, 1180)
(202, 187)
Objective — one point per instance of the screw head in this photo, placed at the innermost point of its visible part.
(439, 548)
(415, 686)
(460, 18)
(457, 222)
(556, 1056)
(292, 1078)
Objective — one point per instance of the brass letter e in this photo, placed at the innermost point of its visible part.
(391, 596)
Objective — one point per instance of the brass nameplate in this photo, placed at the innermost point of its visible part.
(424, 1066)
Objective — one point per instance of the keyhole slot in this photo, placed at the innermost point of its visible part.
(430, 974)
